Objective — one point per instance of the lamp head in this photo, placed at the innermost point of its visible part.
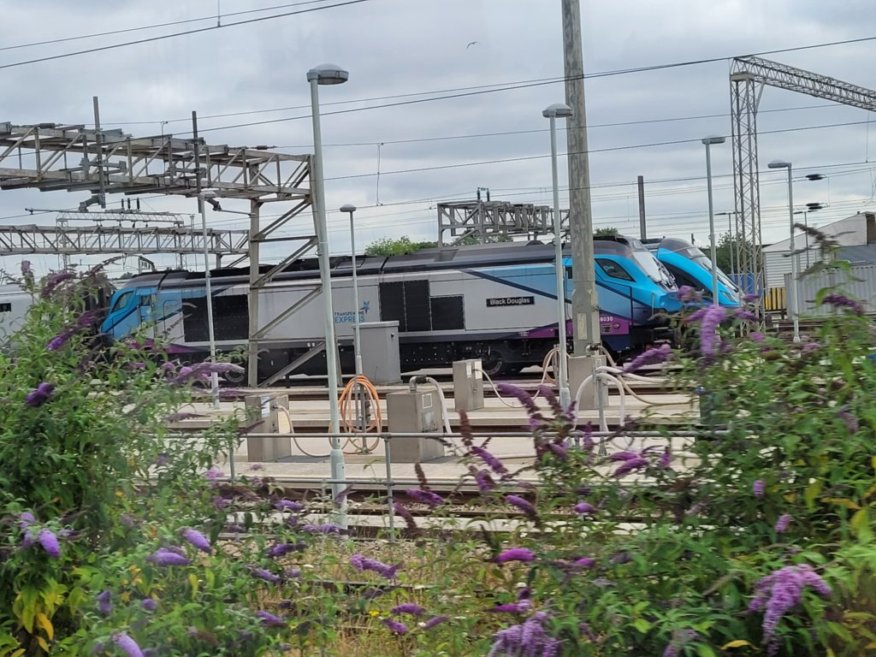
(557, 111)
(328, 74)
(779, 164)
(714, 139)
(348, 208)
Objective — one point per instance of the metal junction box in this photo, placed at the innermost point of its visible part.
(468, 385)
(417, 411)
(380, 358)
(273, 411)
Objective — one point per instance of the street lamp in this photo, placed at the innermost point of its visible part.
(357, 344)
(810, 207)
(781, 164)
(708, 141)
(554, 112)
(208, 196)
(327, 74)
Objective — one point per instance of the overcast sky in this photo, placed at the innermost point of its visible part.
(430, 151)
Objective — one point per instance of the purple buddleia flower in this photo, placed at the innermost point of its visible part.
(778, 593)
(220, 502)
(494, 463)
(671, 650)
(407, 608)
(758, 488)
(408, 517)
(49, 543)
(842, 301)
(53, 281)
(849, 419)
(292, 573)
(203, 371)
(39, 395)
(583, 562)
(105, 603)
(515, 554)
(757, 336)
(528, 638)
(525, 399)
(425, 497)
(519, 607)
(288, 505)
(327, 528)
(630, 465)
(522, 504)
(167, 557)
(558, 449)
(688, 294)
(197, 539)
(396, 627)
(624, 456)
(25, 520)
(809, 347)
(652, 356)
(484, 481)
(434, 621)
(745, 315)
(61, 339)
(269, 620)
(695, 316)
(148, 604)
(265, 575)
(361, 562)
(280, 549)
(585, 508)
(709, 339)
(783, 523)
(213, 474)
(26, 268)
(127, 645)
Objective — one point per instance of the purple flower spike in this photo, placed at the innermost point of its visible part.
(630, 465)
(127, 645)
(281, 549)
(484, 481)
(585, 508)
(425, 497)
(288, 505)
(39, 395)
(435, 620)
(407, 608)
(757, 336)
(650, 357)
(164, 557)
(494, 463)
(583, 562)
(758, 488)
(148, 604)
(512, 608)
(709, 340)
(395, 626)
(49, 543)
(624, 456)
(525, 399)
(783, 523)
(842, 301)
(361, 562)
(522, 504)
(25, 520)
(104, 603)
(269, 620)
(197, 539)
(265, 575)
(61, 339)
(515, 554)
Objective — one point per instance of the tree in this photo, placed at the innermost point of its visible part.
(726, 252)
(606, 232)
(393, 247)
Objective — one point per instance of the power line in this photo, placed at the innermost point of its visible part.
(154, 26)
(172, 35)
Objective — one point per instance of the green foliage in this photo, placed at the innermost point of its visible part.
(606, 232)
(393, 247)
(726, 252)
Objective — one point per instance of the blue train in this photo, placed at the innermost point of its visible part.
(496, 302)
(690, 266)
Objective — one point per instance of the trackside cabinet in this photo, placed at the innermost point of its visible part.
(380, 357)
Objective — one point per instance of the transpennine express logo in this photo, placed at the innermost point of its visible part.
(349, 317)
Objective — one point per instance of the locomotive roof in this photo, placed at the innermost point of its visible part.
(450, 257)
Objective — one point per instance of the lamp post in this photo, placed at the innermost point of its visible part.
(204, 197)
(561, 111)
(708, 141)
(327, 74)
(357, 345)
(781, 164)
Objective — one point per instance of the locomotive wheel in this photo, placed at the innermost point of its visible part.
(236, 378)
(496, 363)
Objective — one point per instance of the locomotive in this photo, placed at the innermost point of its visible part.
(690, 266)
(496, 302)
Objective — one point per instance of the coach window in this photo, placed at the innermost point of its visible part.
(613, 269)
(122, 301)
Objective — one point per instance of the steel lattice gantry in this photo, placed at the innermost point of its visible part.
(56, 157)
(483, 219)
(748, 76)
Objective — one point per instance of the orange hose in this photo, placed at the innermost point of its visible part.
(376, 422)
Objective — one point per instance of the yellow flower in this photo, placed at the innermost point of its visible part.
(374, 613)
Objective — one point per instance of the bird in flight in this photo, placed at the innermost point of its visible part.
(470, 44)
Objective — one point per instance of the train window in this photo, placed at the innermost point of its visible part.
(147, 299)
(230, 318)
(5, 307)
(613, 269)
(447, 313)
(408, 303)
(123, 299)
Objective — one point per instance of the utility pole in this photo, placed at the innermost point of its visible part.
(585, 315)
(643, 232)
(585, 311)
